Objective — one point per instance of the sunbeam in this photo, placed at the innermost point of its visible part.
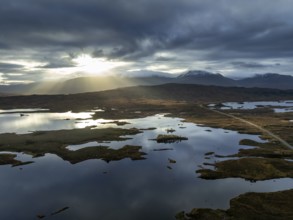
(88, 64)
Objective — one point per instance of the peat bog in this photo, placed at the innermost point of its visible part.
(182, 154)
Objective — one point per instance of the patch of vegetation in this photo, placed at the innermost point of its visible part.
(268, 149)
(105, 153)
(249, 206)
(171, 160)
(170, 130)
(118, 123)
(55, 142)
(250, 169)
(219, 105)
(163, 149)
(147, 129)
(10, 159)
(209, 153)
(166, 138)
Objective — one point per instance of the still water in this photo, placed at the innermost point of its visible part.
(277, 106)
(125, 189)
(24, 122)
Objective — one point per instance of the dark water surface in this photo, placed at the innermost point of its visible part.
(144, 189)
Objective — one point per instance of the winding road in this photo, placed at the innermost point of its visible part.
(282, 141)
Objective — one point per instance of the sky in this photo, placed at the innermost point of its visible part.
(56, 39)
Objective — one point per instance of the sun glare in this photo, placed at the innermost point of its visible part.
(91, 65)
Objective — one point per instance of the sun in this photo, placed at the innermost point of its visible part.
(88, 64)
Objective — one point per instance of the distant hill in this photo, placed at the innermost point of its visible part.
(269, 80)
(92, 84)
(122, 96)
(30, 88)
(107, 82)
(8, 94)
(146, 73)
(83, 84)
(205, 78)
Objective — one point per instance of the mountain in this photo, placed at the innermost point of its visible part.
(205, 78)
(31, 88)
(90, 84)
(269, 80)
(100, 83)
(83, 84)
(107, 82)
(145, 73)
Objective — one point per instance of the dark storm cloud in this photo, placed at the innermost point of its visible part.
(85, 23)
(98, 53)
(135, 30)
(253, 64)
(10, 66)
(58, 63)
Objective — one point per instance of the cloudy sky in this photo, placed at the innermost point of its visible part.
(52, 39)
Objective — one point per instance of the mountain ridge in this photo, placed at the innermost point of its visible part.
(108, 82)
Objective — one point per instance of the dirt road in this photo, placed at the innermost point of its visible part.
(282, 141)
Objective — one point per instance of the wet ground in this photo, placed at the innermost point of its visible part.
(158, 187)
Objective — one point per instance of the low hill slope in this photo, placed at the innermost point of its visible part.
(175, 92)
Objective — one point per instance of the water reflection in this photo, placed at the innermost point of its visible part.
(15, 123)
(144, 189)
(129, 190)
